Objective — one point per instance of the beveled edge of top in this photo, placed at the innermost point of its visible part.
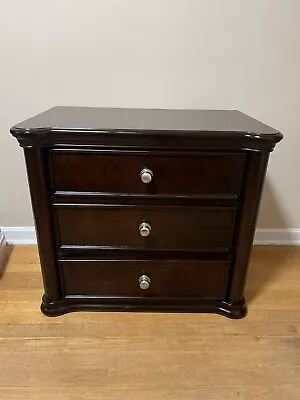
(32, 133)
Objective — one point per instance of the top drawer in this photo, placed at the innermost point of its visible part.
(170, 173)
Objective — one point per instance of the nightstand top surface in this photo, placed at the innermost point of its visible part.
(130, 119)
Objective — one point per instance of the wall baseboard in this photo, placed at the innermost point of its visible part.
(287, 236)
(18, 235)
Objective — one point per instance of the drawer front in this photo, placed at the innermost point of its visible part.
(160, 279)
(174, 228)
(94, 171)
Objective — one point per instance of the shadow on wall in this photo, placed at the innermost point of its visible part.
(266, 263)
(271, 214)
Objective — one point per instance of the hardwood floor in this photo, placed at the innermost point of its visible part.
(111, 356)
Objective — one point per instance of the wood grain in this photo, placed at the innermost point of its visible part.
(153, 356)
(172, 228)
(167, 278)
(119, 172)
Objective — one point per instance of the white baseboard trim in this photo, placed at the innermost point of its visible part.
(26, 235)
(287, 236)
(19, 234)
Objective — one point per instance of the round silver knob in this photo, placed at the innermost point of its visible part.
(144, 282)
(146, 175)
(145, 229)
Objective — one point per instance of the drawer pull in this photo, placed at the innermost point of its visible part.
(145, 229)
(144, 282)
(146, 175)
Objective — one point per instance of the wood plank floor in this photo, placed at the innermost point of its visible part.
(111, 356)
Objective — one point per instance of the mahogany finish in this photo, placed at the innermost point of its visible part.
(169, 278)
(172, 228)
(115, 172)
(200, 206)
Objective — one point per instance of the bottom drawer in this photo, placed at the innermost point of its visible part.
(119, 278)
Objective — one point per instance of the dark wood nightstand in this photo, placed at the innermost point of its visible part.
(145, 210)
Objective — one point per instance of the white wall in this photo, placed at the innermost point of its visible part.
(153, 53)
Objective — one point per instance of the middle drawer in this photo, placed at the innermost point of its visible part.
(145, 227)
